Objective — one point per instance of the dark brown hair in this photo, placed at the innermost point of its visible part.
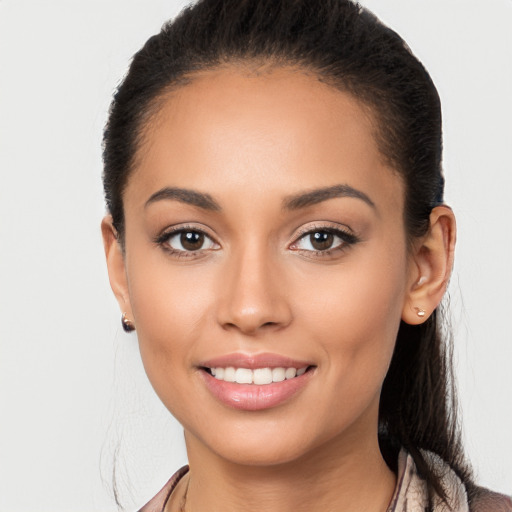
(350, 49)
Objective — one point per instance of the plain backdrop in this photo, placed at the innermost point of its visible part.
(73, 395)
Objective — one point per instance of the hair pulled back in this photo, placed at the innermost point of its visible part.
(347, 47)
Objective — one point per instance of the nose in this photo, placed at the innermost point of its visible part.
(253, 297)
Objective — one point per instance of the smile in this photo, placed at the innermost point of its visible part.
(255, 383)
(258, 376)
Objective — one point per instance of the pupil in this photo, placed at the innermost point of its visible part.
(321, 240)
(191, 240)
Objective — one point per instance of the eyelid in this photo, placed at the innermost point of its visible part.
(171, 231)
(185, 226)
(329, 226)
(342, 231)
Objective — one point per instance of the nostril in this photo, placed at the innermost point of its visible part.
(253, 317)
(250, 327)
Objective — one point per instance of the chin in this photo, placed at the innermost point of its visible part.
(264, 441)
(258, 455)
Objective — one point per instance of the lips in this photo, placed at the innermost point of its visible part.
(255, 382)
(258, 376)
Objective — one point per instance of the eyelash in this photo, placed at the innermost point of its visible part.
(347, 239)
(163, 241)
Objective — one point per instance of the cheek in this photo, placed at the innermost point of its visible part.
(170, 307)
(353, 313)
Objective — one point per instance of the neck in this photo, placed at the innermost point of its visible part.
(339, 476)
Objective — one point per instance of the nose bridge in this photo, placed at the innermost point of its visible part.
(252, 297)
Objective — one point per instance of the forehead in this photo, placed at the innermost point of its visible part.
(283, 129)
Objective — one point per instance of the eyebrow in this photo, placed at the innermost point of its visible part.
(294, 202)
(183, 195)
(312, 197)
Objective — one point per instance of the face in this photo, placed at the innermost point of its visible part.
(265, 243)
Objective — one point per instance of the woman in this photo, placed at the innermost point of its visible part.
(277, 237)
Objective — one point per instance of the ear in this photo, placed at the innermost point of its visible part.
(431, 267)
(116, 265)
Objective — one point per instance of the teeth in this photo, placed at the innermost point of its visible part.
(290, 373)
(259, 376)
(278, 374)
(243, 376)
(229, 374)
(262, 376)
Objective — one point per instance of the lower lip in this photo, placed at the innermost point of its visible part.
(253, 397)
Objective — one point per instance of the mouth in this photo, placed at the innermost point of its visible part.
(257, 376)
(255, 382)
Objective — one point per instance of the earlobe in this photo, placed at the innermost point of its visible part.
(431, 267)
(115, 265)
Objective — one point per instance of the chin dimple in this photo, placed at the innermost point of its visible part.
(258, 376)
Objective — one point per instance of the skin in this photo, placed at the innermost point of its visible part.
(250, 141)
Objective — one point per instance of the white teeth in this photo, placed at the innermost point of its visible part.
(262, 376)
(243, 376)
(258, 376)
(290, 373)
(278, 374)
(229, 374)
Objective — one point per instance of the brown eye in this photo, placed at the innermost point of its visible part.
(324, 241)
(192, 240)
(188, 240)
(321, 240)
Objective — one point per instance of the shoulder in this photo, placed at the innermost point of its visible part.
(412, 491)
(484, 500)
(158, 503)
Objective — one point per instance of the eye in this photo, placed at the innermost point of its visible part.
(319, 241)
(324, 240)
(186, 240)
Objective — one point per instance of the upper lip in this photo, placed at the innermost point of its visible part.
(254, 361)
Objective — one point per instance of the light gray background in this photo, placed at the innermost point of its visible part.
(72, 391)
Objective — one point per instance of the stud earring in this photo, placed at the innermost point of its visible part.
(127, 324)
(420, 312)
